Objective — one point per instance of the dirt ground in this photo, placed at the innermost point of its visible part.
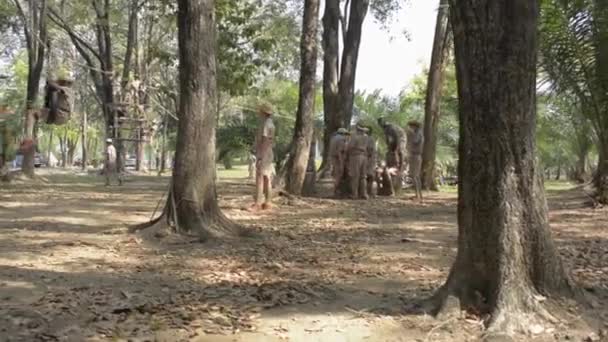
(319, 269)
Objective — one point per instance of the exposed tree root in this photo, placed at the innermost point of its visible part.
(205, 226)
(517, 311)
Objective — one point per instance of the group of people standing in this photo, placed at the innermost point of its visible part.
(354, 158)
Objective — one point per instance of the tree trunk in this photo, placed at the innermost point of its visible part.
(601, 18)
(601, 176)
(35, 29)
(506, 254)
(192, 204)
(84, 140)
(331, 62)
(310, 181)
(48, 154)
(350, 55)
(72, 144)
(139, 149)
(558, 174)
(303, 132)
(63, 145)
(433, 96)
(163, 147)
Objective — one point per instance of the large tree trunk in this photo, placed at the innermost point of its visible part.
(35, 30)
(601, 19)
(331, 60)
(350, 56)
(433, 96)
(192, 206)
(600, 179)
(506, 254)
(306, 104)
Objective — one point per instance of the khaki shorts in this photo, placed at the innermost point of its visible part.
(264, 168)
(415, 165)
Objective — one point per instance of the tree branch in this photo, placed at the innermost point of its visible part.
(26, 29)
(77, 40)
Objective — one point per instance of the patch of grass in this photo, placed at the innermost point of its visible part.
(450, 189)
(552, 185)
(237, 171)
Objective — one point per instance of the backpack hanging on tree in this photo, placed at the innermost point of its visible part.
(57, 102)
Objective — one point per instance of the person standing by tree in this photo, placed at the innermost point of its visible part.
(371, 161)
(110, 166)
(264, 158)
(357, 163)
(396, 148)
(338, 146)
(415, 143)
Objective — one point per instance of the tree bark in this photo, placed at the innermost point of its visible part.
(331, 61)
(163, 147)
(600, 179)
(35, 31)
(192, 206)
(350, 56)
(304, 128)
(433, 96)
(84, 140)
(48, 154)
(601, 27)
(63, 145)
(506, 254)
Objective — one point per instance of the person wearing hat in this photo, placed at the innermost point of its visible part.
(110, 165)
(264, 157)
(357, 163)
(396, 146)
(371, 161)
(338, 146)
(415, 142)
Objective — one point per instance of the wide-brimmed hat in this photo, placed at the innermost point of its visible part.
(414, 123)
(342, 130)
(361, 128)
(266, 108)
(109, 141)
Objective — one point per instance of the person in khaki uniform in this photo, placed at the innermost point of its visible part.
(357, 163)
(415, 142)
(337, 153)
(264, 159)
(371, 162)
(395, 143)
(110, 164)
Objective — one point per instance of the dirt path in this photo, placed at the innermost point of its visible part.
(321, 270)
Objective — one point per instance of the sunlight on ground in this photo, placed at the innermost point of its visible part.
(237, 171)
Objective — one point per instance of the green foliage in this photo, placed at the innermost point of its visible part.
(574, 34)
(562, 132)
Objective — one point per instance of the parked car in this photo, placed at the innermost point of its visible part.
(39, 160)
(130, 163)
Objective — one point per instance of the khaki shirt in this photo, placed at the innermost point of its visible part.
(415, 141)
(371, 155)
(263, 151)
(338, 146)
(358, 144)
(110, 156)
